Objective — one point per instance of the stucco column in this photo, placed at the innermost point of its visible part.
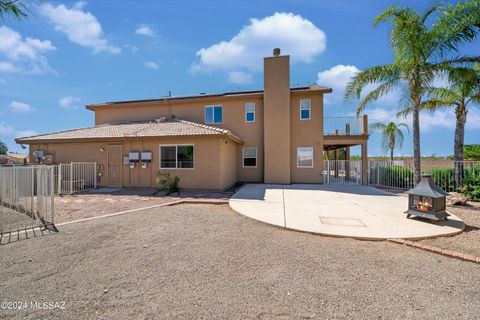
(364, 163)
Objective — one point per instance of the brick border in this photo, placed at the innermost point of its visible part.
(445, 252)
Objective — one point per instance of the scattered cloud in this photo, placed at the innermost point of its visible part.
(20, 107)
(5, 129)
(340, 75)
(240, 77)
(151, 65)
(145, 30)
(25, 133)
(81, 27)
(133, 49)
(69, 102)
(23, 55)
(295, 35)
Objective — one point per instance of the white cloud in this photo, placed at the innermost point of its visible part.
(145, 30)
(5, 129)
(20, 107)
(151, 65)
(69, 102)
(340, 75)
(25, 133)
(240, 77)
(23, 55)
(81, 27)
(295, 35)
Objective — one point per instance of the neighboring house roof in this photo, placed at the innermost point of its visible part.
(146, 129)
(312, 88)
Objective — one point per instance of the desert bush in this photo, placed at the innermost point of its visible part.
(167, 183)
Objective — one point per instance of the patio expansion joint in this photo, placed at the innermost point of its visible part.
(444, 252)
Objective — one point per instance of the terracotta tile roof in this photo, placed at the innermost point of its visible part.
(157, 128)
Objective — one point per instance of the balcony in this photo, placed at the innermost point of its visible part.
(345, 126)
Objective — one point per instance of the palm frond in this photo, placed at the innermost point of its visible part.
(377, 74)
(373, 95)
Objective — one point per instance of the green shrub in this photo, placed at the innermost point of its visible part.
(167, 183)
(444, 178)
(471, 186)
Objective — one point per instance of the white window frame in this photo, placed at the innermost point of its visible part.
(309, 109)
(243, 158)
(176, 155)
(298, 164)
(205, 113)
(246, 111)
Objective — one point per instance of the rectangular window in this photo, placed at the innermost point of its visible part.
(213, 114)
(305, 109)
(249, 157)
(250, 112)
(176, 157)
(305, 157)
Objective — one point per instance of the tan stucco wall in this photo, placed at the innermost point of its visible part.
(214, 166)
(277, 119)
(307, 133)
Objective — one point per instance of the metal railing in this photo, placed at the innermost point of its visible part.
(76, 176)
(449, 175)
(26, 197)
(342, 172)
(343, 126)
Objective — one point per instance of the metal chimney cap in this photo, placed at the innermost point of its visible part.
(276, 52)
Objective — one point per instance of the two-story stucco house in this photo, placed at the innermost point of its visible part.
(210, 141)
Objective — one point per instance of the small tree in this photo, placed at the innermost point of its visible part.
(392, 135)
(3, 148)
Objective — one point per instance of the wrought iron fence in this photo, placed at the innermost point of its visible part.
(448, 175)
(76, 176)
(342, 171)
(26, 198)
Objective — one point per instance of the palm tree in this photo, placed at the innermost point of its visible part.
(16, 8)
(420, 48)
(463, 89)
(392, 135)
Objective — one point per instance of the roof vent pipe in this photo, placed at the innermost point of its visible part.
(276, 52)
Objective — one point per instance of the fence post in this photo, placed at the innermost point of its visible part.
(52, 194)
(60, 178)
(71, 178)
(95, 175)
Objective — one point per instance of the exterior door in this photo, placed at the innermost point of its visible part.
(115, 165)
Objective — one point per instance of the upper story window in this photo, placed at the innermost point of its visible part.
(305, 109)
(250, 112)
(213, 114)
(176, 157)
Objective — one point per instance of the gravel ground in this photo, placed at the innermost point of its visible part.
(469, 240)
(92, 204)
(206, 262)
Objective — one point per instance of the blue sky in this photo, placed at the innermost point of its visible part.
(68, 54)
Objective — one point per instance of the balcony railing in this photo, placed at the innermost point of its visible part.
(333, 126)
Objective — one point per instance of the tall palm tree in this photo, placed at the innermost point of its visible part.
(420, 49)
(462, 89)
(16, 8)
(392, 135)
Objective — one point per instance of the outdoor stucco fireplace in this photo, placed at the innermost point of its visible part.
(427, 200)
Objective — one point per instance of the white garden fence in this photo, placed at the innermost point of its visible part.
(76, 176)
(26, 197)
(342, 171)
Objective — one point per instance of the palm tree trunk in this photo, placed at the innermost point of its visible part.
(461, 115)
(416, 140)
(391, 154)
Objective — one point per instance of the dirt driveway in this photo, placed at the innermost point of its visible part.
(205, 261)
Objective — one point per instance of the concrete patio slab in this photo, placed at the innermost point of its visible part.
(338, 210)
